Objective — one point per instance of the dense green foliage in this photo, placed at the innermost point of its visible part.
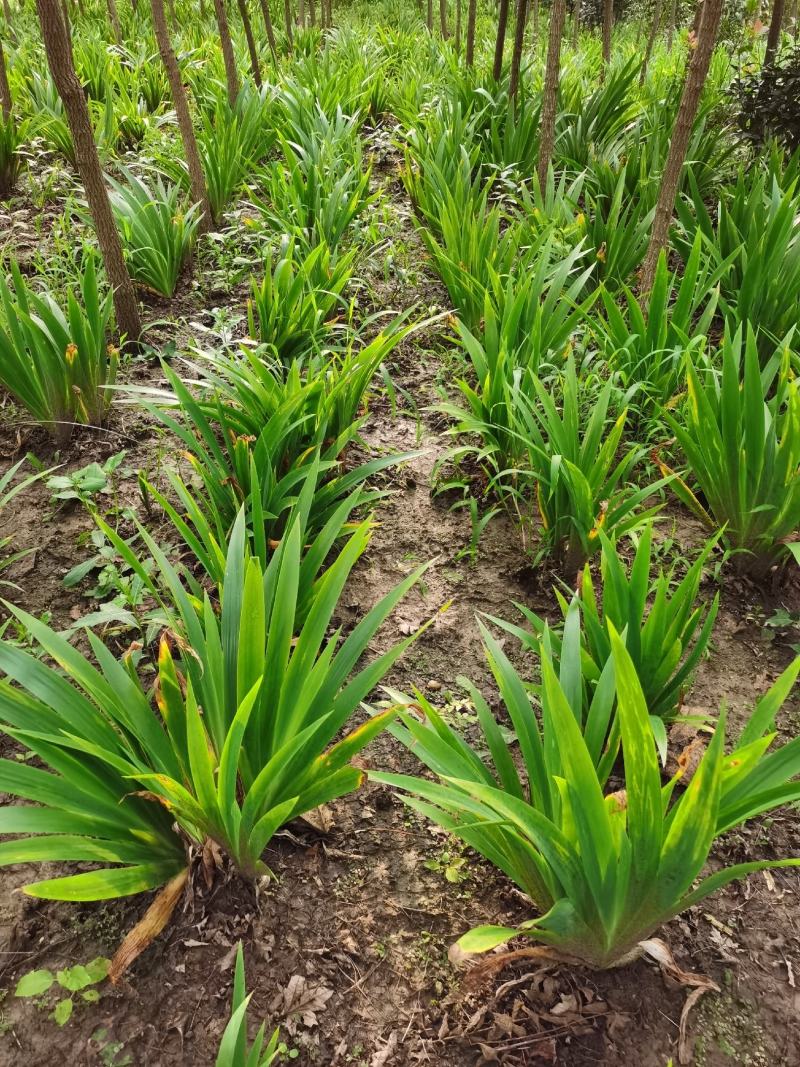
(358, 165)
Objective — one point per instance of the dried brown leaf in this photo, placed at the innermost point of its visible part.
(321, 819)
(301, 1000)
(381, 1058)
(149, 926)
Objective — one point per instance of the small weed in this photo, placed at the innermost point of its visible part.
(86, 483)
(453, 865)
(110, 1052)
(479, 523)
(79, 980)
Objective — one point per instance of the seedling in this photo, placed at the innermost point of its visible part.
(78, 982)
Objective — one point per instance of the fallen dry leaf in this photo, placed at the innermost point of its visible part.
(568, 1003)
(321, 819)
(381, 1058)
(659, 951)
(149, 926)
(301, 1000)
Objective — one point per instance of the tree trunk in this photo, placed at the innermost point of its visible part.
(312, 14)
(67, 23)
(197, 181)
(251, 41)
(471, 13)
(774, 35)
(608, 21)
(698, 18)
(458, 27)
(681, 133)
(429, 16)
(265, 13)
(231, 74)
(671, 24)
(59, 59)
(9, 23)
(576, 22)
(516, 55)
(658, 8)
(287, 21)
(500, 42)
(547, 126)
(113, 16)
(533, 9)
(5, 90)
(443, 19)
(301, 14)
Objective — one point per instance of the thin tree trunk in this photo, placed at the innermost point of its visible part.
(429, 16)
(534, 10)
(9, 22)
(671, 24)
(59, 59)
(301, 14)
(458, 27)
(500, 41)
(231, 74)
(681, 133)
(608, 20)
(640, 28)
(197, 181)
(547, 127)
(576, 22)
(443, 18)
(5, 90)
(698, 17)
(113, 16)
(516, 55)
(265, 13)
(774, 35)
(251, 41)
(287, 21)
(312, 14)
(658, 8)
(471, 13)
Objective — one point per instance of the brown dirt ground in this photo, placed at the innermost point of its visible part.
(347, 948)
